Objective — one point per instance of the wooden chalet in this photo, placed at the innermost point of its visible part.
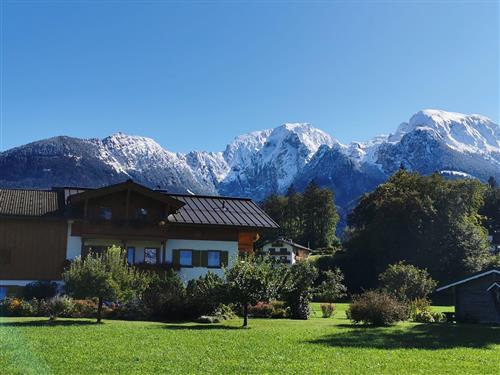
(40, 230)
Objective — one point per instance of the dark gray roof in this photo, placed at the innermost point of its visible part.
(196, 209)
(34, 203)
(214, 210)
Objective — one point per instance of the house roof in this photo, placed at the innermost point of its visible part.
(124, 186)
(470, 278)
(290, 242)
(213, 210)
(191, 209)
(31, 203)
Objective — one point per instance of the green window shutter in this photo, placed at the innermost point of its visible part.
(204, 258)
(224, 258)
(176, 257)
(196, 258)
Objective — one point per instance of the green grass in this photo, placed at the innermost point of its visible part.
(71, 346)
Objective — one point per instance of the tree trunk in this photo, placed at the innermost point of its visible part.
(245, 315)
(99, 310)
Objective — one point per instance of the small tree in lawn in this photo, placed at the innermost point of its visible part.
(105, 277)
(332, 287)
(407, 282)
(297, 291)
(254, 280)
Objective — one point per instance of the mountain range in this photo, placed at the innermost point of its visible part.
(265, 162)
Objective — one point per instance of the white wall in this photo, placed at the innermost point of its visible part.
(189, 273)
(73, 244)
(289, 248)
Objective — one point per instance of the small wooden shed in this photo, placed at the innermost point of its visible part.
(477, 297)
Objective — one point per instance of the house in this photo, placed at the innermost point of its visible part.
(41, 230)
(477, 297)
(286, 251)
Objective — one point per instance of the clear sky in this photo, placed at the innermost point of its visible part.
(192, 75)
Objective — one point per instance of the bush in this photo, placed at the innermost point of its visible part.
(327, 309)
(274, 309)
(298, 291)
(60, 306)
(164, 298)
(224, 312)
(16, 307)
(407, 282)
(40, 290)
(377, 308)
(204, 295)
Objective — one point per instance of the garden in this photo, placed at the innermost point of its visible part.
(260, 318)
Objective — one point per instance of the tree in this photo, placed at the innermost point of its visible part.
(427, 221)
(104, 276)
(332, 287)
(256, 279)
(297, 290)
(320, 216)
(407, 282)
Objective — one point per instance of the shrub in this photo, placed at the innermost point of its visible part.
(16, 307)
(165, 297)
(274, 309)
(60, 306)
(377, 308)
(224, 312)
(298, 290)
(204, 295)
(407, 282)
(40, 290)
(84, 308)
(327, 309)
(332, 287)
(40, 307)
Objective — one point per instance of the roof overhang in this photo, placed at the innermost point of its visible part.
(128, 185)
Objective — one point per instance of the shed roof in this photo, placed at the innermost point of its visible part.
(470, 278)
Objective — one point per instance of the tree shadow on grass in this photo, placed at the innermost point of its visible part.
(48, 323)
(422, 336)
(198, 327)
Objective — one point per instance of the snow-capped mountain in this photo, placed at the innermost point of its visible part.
(264, 162)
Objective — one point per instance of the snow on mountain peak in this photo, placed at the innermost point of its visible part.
(465, 133)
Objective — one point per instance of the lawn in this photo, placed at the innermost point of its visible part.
(71, 346)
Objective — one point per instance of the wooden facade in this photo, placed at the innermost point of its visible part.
(32, 249)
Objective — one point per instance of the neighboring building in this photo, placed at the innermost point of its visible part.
(286, 251)
(40, 230)
(477, 298)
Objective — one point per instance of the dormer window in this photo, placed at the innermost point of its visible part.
(106, 213)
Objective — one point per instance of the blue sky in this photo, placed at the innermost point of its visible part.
(192, 75)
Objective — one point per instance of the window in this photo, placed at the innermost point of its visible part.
(3, 292)
(186, 258)
(213, 259)
(142, 213)
(150, 255)
(106, 213)
(284, 259)
(131, 255)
